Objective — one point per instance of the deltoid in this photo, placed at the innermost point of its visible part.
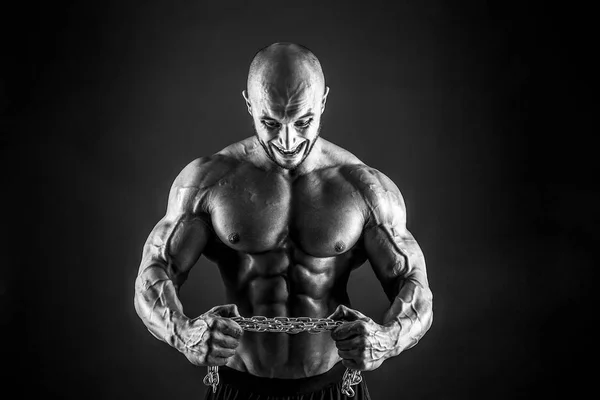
(291, 326)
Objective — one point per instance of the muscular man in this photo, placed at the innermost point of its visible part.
(286, 216)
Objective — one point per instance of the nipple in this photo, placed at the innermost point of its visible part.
(339, 246)
(233, 238)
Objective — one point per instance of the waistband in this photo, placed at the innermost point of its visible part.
(278, 386)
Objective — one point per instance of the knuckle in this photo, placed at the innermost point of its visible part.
(222, 322)
(223, 326)
(237, 326)
(211, 321)
(362, 327)
(210, 351)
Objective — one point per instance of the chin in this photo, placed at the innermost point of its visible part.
(288, 165)
(293, 163)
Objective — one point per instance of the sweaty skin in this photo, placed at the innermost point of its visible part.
(286, 216)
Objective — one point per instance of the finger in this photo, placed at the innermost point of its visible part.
(343, 312)
(216, 361)
(224, 340)
(355, 342)
(352, 354)
(355, 315)
(349, 330)
(227, 310)
(351, 364)
(228, 327)
(218, 351)
(339, 312)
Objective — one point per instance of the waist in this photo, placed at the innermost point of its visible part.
(278, 386)
(283, 355)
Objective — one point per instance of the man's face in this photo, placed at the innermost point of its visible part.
(287, 120)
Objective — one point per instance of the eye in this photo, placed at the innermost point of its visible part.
(304, 123)
(270, 124)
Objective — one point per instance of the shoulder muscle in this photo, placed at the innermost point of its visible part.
(192, 185)
(384, 204)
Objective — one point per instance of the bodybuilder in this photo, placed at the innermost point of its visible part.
(286, 216)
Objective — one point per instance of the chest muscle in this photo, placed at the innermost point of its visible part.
(264, 213)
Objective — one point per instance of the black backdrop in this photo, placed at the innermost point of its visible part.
(479, 111)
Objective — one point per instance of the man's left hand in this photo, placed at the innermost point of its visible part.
(362, 343)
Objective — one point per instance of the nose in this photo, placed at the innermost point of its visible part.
(287, 137)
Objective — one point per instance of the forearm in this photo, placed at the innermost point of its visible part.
(157, 304)
(410, 315)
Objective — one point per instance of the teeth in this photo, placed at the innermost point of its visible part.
(290, 153)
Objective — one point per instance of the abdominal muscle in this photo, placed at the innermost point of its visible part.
(294, 292)
(281, 355)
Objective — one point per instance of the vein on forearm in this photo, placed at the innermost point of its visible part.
(401, 269)
(157, 288)
(412, 310)
(158, 303)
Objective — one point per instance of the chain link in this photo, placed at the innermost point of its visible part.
(351, 378)
(212, 378)
(287, 324)
(290, 325)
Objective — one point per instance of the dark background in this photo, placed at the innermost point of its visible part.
(479, 111)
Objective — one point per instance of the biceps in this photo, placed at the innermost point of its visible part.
(175, 245)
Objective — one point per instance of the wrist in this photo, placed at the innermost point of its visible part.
(393, 330)
(178, 330)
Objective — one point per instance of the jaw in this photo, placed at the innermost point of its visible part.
(289, 159)
(287, 163)
(305, 155)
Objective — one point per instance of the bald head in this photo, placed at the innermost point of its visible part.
(286, 96)
(284, 69)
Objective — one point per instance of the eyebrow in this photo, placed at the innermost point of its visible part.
(308, 114)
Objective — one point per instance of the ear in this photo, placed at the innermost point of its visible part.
(324, 99)
(245, 95)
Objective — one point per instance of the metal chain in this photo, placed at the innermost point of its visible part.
(212, 378)
(287, 324)
(351, 378)
(291, 326)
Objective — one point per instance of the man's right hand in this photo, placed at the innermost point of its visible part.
(212, 338)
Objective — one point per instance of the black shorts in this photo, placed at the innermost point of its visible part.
(238, 385)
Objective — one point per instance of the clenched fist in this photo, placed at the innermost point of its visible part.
(212, 338)
(362, 343)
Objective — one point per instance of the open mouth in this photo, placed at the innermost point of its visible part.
(290, 153)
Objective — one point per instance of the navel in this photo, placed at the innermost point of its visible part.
(233, 238)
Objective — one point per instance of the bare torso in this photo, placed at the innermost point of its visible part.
(285, 245)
